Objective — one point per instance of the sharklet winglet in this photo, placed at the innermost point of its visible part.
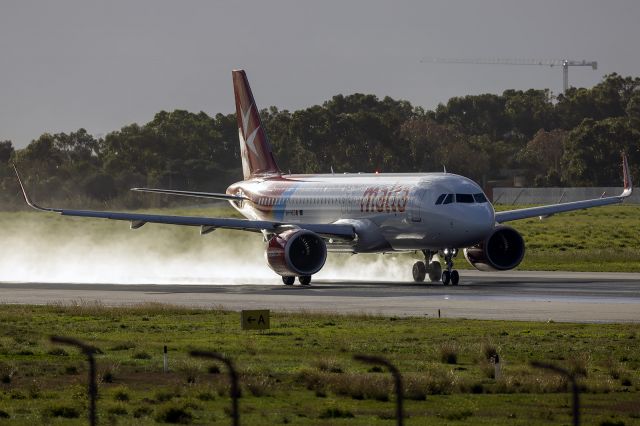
(628, 184)
(27, 199)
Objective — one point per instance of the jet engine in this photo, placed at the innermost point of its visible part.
(296, 252)
(502, 250)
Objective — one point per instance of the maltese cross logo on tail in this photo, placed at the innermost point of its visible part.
(257, 156)
(252, 136)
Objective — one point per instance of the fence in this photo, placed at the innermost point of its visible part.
(92, 388)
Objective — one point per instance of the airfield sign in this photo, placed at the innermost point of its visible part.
(255, 319)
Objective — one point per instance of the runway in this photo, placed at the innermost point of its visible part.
(539, 296)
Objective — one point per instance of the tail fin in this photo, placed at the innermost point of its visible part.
(257, 157)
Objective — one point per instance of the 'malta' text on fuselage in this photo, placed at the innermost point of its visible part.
(385, 199)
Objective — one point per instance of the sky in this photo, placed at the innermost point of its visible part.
(101, 65)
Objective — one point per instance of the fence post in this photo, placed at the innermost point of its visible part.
(89, 351)
(574, 386)
(233, 375)
(396, 375)
(165, 360)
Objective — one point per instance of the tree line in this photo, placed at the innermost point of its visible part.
(572, 139)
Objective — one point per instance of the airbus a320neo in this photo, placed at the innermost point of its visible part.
(302, 217)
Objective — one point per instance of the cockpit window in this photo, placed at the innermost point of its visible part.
(440, 199)
(464, 198)
(448, 199)
(480, 198)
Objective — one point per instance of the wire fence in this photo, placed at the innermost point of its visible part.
(234, 394)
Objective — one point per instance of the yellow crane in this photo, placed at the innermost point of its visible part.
(564, 63)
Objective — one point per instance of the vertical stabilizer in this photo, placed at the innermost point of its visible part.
(257, 157)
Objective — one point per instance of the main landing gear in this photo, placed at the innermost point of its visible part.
(433, 268)
(303, 280)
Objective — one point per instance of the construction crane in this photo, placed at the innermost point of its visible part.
(564, 63)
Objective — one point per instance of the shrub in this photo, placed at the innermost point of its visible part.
(123, 346)
(360, 386)
(121, 395)
(107, 377)
(489, 350)
(614, 368)
(579, 363)
(329, 365)
(63, 411)
(57, 352)
(142, 412)
(336, 413)
(449, 353)
(206, 396)
(175, 415)
(117, 411)
(141, 355)
(4, 414)
(165, 395)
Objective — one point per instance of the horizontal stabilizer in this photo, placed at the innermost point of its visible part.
(196, 194)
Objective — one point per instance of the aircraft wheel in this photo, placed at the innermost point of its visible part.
(288, 280)
(305, 279)
(455, 277)
(435, 272)
(446, 277)
(419, 272)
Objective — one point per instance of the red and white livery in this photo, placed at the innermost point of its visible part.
(302, 217)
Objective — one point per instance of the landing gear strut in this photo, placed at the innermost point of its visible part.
(450, 275)
(433, 268)
(430, 267)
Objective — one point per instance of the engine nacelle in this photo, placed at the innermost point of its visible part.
(500, 251)
(296, 252)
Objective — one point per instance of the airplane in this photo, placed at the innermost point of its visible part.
(303, 217)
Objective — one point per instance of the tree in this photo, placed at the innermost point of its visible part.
(6, 151)
(543, 155)
(592, 153)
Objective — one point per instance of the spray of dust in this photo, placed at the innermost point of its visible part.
(50, 248)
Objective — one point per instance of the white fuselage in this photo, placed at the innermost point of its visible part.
(390, 212)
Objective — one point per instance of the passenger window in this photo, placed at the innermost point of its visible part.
(448, 199)
(464, 198)
(440, 199)
(480, 198)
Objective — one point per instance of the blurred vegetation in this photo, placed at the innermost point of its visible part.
(302, 370)
(572, 139)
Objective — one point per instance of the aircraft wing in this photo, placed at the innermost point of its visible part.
(549, 210)
(213, 195)
(207, 224)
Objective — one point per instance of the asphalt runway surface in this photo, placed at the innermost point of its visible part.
(539, 296)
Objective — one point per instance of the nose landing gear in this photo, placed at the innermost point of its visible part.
(433, 268)
(450, 275)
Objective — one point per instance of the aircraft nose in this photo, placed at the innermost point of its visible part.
(478, 224)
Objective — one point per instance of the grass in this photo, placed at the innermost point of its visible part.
(303, 371)
(599, 239)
